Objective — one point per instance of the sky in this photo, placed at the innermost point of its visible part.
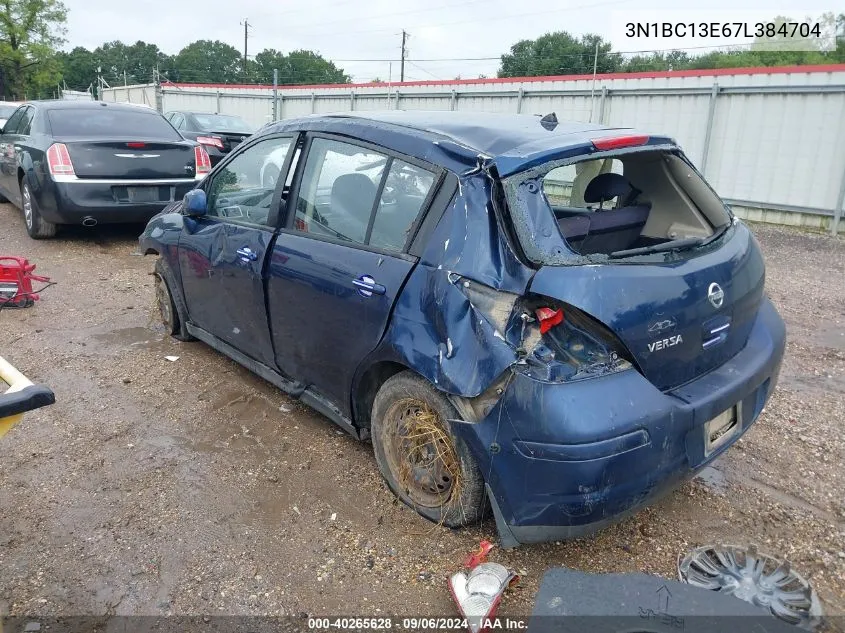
(447, 37)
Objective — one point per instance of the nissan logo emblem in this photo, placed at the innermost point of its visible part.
(716, 295)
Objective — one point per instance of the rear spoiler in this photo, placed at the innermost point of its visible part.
(21, 396)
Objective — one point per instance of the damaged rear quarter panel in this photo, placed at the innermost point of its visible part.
(436, 328)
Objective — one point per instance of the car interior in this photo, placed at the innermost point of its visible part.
(637, 200)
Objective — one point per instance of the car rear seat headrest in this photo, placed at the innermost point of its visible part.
(607, 186)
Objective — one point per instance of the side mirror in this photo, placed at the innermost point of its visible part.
(195, 203)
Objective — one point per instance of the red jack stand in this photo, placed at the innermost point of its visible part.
(16, 283)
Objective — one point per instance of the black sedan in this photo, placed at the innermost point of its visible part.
(218, 133)
(74, 162)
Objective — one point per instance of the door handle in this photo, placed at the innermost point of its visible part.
(367, 286)
(247, 254)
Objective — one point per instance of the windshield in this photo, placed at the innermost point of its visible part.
(222, 123)
(630, 203)
(100, 122)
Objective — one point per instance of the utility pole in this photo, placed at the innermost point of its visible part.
(245, 24)
(275, 95)
(593, 88)
(404, 53)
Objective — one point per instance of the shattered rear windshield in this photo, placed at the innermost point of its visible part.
(612, 204)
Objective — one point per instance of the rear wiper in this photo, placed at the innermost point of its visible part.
(674, 245)
(716, 234)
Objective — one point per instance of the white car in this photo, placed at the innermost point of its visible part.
(6, 110)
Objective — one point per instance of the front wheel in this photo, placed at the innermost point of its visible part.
(170, 307)
(37, 227)
(423, 462)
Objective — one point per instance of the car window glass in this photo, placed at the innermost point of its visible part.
(26, 121)
(99, 121)
(338, 191)
(565, 186)
(14, 120)
(402, 199)
(177, 121)
(243, 189)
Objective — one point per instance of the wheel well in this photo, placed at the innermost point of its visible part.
(371, 382)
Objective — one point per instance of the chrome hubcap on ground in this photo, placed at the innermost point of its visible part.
(421, 454)
(27, 206)
(753, 577)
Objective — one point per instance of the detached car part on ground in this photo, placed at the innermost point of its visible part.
(20, 397)
(76, 162)
(560, 319)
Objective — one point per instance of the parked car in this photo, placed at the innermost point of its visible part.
(218, 133)
(565, 358)
(86, 162)
(6, 110)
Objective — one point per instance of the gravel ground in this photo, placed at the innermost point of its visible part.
(193, 487)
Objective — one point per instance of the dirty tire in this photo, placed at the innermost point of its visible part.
(171, 308)
(451, 492)
(37, 227)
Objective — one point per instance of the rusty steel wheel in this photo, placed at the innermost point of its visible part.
(170, 307)
(166, 309)
(422, 461)
(421, 453)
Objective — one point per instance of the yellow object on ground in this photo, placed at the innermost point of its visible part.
(20, 397)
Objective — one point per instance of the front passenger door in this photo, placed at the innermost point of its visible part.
(222, 254)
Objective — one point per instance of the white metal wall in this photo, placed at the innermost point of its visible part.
(767, 139)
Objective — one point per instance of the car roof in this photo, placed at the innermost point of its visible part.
(516, 139)
(59, 104)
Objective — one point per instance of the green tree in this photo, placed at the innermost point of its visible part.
(205, 61)
(30, 32)
(558, 54)
(79, 68)
(137, 61)
(296, 68)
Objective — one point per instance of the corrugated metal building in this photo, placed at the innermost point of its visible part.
(771, 140)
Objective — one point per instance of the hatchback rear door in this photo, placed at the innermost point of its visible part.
(340, 264)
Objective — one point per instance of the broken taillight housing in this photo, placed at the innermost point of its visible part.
(571, 344)
(478, 593)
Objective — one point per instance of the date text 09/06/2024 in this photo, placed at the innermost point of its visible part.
(415, 624)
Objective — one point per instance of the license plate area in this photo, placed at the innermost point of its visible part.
(143, 194)
(721, 429)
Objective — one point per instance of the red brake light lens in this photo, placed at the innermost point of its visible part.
(548, 318)
(616, 142)
(58, 160)
(136, 145)
(210, 140)
(203, 162)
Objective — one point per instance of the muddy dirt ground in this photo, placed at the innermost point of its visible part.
(193, 487)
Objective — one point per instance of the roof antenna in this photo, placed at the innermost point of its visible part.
(549, 121)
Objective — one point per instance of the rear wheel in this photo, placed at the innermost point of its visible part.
(423, 462)
(170, 307)
(37, 227)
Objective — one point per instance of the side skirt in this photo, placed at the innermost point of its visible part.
(309, 396)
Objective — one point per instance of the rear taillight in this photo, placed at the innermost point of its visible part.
(203, 162)
(210, 140)
(616, 142)
(136, 145)
(572, 344)
(58, 160)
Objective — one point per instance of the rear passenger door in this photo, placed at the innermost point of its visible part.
(340, 263)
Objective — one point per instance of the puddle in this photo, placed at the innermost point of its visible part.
(130, 337)
(714, 479)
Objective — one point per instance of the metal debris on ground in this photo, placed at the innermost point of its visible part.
(756, 578)
(479, 591)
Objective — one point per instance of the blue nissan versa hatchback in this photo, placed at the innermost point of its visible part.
(561, 320)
